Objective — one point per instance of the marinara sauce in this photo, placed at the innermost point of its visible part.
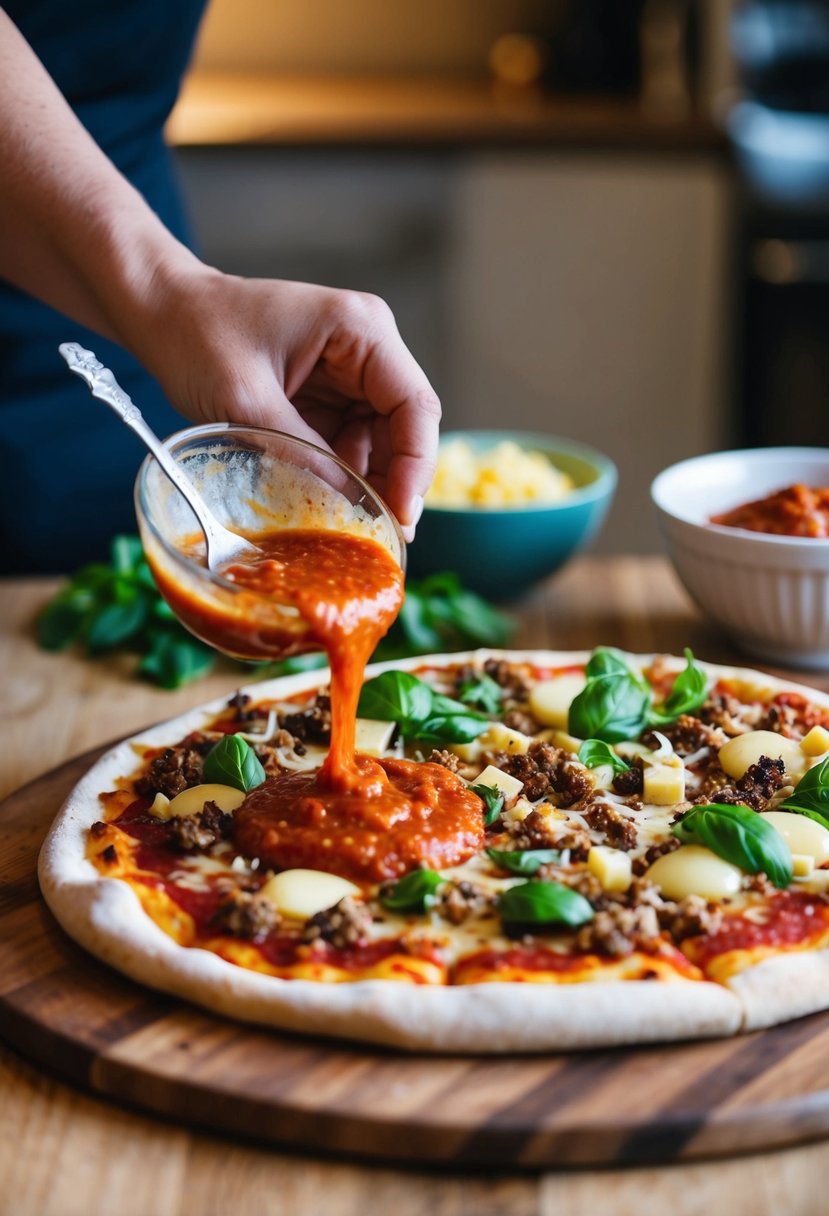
(794, 511)
(363, 818)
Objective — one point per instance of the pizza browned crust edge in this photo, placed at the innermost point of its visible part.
(105, 917)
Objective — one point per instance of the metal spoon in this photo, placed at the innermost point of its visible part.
(223, 546)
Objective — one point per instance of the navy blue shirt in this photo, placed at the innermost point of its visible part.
(67, 466)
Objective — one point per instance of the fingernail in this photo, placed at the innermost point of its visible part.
(416, 511)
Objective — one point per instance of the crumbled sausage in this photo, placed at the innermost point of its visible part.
(618, 930)
(176, 769)
(345, 924)
(458, 901)
(311, 725)
(631, 781)
(653, 853)
(246, 914)
(782, 719)
(619, 831)
(688, 734)
(690, 917)
(730, 715)
(548, 770)
(98, 830)
(756, 787)
(511, 678)
(523, 720)
(202, 830)
(446, 759)
(537, 832)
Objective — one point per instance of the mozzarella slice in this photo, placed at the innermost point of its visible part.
(694, 870)
(303, 893)
(739, 753)
(191, 802)
(802, 835)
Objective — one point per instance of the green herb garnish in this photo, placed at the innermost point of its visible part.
(233, 762)
(810, 796)
(741, 836)
(525, 862)
(543, 903)
(414, 893)
(482, 691)
(493, 801)
(420, 713)
(595, 753)
(686, 696)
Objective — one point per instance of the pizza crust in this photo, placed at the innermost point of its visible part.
(104, 915)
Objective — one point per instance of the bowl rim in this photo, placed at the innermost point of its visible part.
(607, 475)
(745, 535)
(209, 429)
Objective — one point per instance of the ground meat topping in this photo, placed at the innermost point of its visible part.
(618, 930)
(447, 759)
(176, 769)
(521, 719)
(728, 714)
(756, 788)
(547, 770)
(782, 719)
(311, 725)
(631, 781)
(653, 853)
(690, 917)
(619, 831)
(346, 924)
(538, 831)
(202, 830)
(458, 901)
(511, 678)
(688, 734)
(246, 914)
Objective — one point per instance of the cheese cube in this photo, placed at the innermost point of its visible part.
(507, 785)
(551, 699)
(496, 738)
(303, 893)
(161, 806)
(816, 741)
(612, 867)
(802, 865)
(372, 737)
(568, 743)
(663, 784)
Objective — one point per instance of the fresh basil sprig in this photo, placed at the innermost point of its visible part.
(686, 696)
(810, 796)
(543, 903)
(420, 713)
(615, 703)
(233, 762)
(482, 691)
(113, 605)
(738, 835)
(440, 614)
(413, 893)
(594, 753)
(492, 799)
(525, 862)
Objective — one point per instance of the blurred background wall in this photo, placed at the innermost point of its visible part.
(576, 255)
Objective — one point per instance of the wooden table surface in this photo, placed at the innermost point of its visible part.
(64, 1153)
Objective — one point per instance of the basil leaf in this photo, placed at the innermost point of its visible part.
(414, 620)
(686, 696)
(543, 903)
(741, 836)
(482, 691)
(610, 707)
(60, 624)
(607, 661)
(117, 623)
(493, 801)
(126, 554)
(414, 893)
(810, 796)
(396, 696)
(526, 861)
(233, 762)
(450, 728)
(175, 659)
(595, 752)
(478, 621)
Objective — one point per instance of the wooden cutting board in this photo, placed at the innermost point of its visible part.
(99, 1030)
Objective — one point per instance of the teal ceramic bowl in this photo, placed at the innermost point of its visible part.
(500, 552)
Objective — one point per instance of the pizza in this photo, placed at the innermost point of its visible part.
(639, 852)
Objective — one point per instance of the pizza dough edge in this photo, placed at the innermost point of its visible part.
(106, 918)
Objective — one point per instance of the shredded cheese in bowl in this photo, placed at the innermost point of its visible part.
(502, 476)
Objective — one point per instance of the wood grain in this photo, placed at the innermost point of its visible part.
(67, 1152)
(666, 1103)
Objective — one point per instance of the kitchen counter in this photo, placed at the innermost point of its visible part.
(304, 111)
(66, 1153)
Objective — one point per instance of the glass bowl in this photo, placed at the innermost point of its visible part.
(253, 480)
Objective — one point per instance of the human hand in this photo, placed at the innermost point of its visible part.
(323, 364)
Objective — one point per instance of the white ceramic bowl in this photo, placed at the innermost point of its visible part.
(769, 593)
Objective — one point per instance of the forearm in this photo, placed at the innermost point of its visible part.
(73, 231)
